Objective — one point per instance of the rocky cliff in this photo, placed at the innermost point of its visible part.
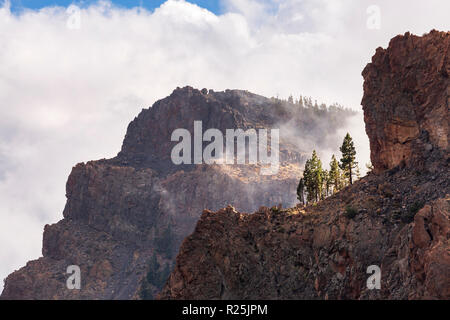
(406, 101)
(126, 217)
(397, 219)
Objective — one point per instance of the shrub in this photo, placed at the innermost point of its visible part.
(350, 212)
(275, 209)
(415, 207)
(412, 210)
(155, 277)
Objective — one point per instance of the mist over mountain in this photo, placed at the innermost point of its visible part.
(68, 93)
(395, 220)
(125, 217)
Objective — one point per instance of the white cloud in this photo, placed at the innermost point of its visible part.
(66, 95)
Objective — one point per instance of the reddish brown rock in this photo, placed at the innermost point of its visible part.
(318, 252)
(122, 212)
(430, 248)
(406, 101)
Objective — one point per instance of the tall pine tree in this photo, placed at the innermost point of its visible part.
(335, 174)
(313, 176)
(348, 162)
(326, 183)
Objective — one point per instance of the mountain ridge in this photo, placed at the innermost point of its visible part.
(397, 218)
(131, 212)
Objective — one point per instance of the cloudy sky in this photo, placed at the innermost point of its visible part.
(72, 78)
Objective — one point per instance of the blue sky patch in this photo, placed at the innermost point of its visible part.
(19, 5)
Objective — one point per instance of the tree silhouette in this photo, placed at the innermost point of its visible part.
(348, 162)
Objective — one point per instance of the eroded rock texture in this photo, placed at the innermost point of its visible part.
(126, 217)
(322, 252)
(406, 101)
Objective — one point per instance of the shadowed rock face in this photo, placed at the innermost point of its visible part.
(406, 101)
(402, 223)
(316, 253)
(122, 212)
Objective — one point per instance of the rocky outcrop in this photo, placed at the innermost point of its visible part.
(397, 219)
(319, 252)
(406, 101)
(125, 217)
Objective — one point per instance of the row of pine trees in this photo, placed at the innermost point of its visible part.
(317, 183)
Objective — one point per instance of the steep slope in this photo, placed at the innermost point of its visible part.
(126, 217)
(398, 219)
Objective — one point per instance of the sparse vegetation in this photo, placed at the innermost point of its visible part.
(275, 209)
(415, 207)
(313, 176)
(155, 277)
(350, 212)
(386, 190)
(335, 175)
(317, 183)
(412, 210)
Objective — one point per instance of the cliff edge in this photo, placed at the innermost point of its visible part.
(397, 219)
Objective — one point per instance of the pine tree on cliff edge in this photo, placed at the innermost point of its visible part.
(335, 174)
(313, 177)
(348, 162)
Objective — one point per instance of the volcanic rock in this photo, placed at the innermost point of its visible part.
(406, 101)
(126, 217)
(320, 251)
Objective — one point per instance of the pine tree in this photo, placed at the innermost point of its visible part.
(335, 174)
(291, 99)
(301, 191)
(313, 176)
(300, 101)
(348, 162)
(326, 183)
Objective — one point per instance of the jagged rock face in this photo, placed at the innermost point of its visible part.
(322, 252)
(148, 137)
(406, 101)
(122, 212)
(318, 252)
